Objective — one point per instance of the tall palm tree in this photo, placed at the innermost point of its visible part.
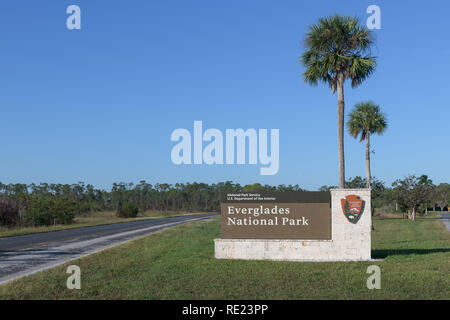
(366, 119)
(337, 50)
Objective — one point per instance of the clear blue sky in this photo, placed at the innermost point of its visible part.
(99, 104)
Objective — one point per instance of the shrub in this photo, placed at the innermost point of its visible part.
(9, 214)
(46, 211)
(84, 207)
(128, 210)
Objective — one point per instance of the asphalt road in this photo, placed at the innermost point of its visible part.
(24, 255)
(445, 218)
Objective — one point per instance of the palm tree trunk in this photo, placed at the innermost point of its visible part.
(368, 159)
(368, 169)
(340, 89)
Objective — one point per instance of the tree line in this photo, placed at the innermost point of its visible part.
(411, 195)
(46, 204)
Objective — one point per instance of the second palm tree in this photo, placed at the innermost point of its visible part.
(364, 120)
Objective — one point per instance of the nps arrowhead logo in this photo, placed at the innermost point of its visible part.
(353, 207)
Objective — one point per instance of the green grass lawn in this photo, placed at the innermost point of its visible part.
(89, 219)
(179, 263)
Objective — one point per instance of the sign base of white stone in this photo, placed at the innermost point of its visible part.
(349, 242)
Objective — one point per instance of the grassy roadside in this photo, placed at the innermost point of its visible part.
(179, 264)
(91, 219)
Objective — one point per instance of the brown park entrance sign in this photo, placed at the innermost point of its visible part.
(276, 215)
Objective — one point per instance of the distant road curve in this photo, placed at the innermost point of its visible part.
(28, 254)
(445, 218)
